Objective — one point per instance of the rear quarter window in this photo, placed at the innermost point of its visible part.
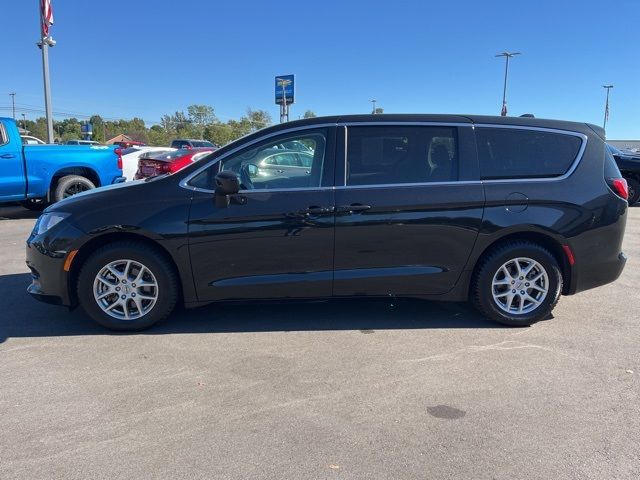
(519, 153)
(611, 169)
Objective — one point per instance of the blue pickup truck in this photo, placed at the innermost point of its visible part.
(37, 175)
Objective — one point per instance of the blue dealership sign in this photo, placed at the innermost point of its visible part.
(285, 88)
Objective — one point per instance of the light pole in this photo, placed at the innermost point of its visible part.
(46, 42)
(13, 103)
(507, 56)
(373, 101)
(606, 105)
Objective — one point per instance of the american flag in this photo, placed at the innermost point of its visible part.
(46, 15)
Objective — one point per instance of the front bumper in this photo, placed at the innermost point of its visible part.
(48, 278)
(45, 256)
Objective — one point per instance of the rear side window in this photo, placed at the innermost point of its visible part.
(3, 136)
(520, 153)
(611, 169)
(380, 155)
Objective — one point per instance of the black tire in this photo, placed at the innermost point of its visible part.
(482, 286)
(153, 259)
(634, 190)
(70, 185)
(35, 204)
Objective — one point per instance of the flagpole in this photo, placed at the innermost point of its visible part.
(606, 105)
(44, 44)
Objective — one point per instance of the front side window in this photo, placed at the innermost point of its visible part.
(521, 153)
(380, 155)
(267, 166)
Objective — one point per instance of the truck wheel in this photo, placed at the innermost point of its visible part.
(634, 190)
(127, 286)
(35, 204)
(517, 284)
(70, 185)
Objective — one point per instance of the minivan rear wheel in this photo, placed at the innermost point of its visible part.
(127, 286)
(518, 284)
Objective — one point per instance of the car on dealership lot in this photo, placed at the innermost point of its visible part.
(131, 155)
(278, 162)
(37, 175)
(629, 164)
(152, 164)
(191, 143)
(509, 213)
(130, 143)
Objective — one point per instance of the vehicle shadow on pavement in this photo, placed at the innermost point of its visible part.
(17, 213)
(22, 316)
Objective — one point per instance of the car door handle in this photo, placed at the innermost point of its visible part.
(316, 210)
(354, 207)
(7, 155)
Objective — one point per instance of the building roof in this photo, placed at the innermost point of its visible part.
(119, 138)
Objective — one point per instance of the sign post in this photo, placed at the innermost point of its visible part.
(285, 95)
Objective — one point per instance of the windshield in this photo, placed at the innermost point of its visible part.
(201, 143)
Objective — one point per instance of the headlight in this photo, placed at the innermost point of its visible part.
(48, 221)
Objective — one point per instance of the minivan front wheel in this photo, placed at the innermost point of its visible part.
(517, 284)
(127, 286)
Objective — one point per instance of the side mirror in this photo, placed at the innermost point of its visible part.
(227, 183)
(252, 170)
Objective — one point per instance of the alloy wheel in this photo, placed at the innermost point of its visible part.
(125, 289)
(520, 285)
(74, 188)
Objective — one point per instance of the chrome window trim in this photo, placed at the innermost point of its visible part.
(184, 183)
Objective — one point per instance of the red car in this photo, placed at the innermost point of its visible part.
(152, 164)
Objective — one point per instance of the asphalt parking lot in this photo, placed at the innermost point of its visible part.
(350, 389)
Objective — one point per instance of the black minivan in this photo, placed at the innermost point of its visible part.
(509, 213)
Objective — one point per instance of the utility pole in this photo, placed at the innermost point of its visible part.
(13, 103)
(606, 105)
(507, 56)
(46, 41)
(373, 101)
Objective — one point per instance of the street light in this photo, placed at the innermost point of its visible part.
(507, 56)
(606, 105)
(373, 100)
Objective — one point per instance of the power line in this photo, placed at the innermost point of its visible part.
(39, 111)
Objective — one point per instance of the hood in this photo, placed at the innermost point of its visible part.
(95, 194)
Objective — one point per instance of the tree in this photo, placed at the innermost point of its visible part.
(99, 129)
(257, 119)
(309, 114)
(201, 116)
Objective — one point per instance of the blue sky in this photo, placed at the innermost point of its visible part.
(144, 58)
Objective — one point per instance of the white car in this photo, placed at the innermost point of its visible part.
(131, 155)
(29, 140)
